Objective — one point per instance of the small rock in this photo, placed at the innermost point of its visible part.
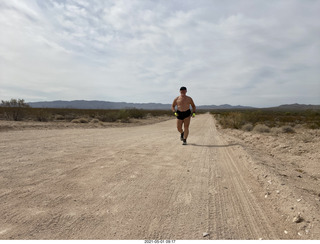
(299, 234)
(298, 218)
(299, 176)
(286, 232)
(277, 191)
(299, 200)
(267, 194)
(205, 234)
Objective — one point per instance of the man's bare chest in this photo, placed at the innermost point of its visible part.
(183, 101)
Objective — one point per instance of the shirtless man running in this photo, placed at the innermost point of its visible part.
(183, 113)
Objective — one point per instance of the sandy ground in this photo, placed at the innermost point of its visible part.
(288, 169)
(141, 183)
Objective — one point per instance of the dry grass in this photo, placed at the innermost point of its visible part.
(261, 128)
(95, 121)
(80, 120)
(287, 129)
(247, 127)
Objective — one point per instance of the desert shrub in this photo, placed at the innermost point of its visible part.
(124, 115)
(232, 120)
(59, 117)
(83, 120)
(275, 130)
(76, 121)
(42, 115)
(269, 117)
(287, 129)
(261, 128)
(15, 109)
(136, 113)
(315, 125)
(110, 116)
(247, 127)
(80, 120)
(70, 117)
(94, 121)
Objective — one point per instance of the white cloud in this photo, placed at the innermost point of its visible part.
(250, 52)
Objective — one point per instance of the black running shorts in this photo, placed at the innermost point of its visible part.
(184, 114)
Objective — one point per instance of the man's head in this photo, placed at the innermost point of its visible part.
(183, 90)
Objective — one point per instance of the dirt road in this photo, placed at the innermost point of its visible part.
(131, 183)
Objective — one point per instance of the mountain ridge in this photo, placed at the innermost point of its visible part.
(96, 104)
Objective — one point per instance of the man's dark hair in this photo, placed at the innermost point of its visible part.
(183, 88)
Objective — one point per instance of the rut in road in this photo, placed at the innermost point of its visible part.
(129, 183)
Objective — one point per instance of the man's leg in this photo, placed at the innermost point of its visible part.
(186, 126)
(179, 125)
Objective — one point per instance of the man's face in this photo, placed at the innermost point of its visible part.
(183, 92)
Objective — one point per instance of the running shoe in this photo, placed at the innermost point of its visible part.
(181, 137)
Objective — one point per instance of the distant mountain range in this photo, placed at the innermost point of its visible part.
(83, 104)
(297, 106)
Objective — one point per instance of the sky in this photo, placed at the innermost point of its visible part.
(249, 52)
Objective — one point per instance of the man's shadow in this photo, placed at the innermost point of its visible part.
(200, 145)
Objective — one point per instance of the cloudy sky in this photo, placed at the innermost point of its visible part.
(249, 52)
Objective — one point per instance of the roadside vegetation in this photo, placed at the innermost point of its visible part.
(262, 120)
(18, 110)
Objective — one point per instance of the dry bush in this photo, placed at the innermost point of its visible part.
(42, 115)
(275, 130)
(83, 120)
(247, 127)
(232, 120)
(287, 129)
(76, 121)
(261, 128)
(94, 121)
(15, 109)
(80, 120)
(59, 117)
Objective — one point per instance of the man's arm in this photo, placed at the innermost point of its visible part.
(174, 104)
(193, 106)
